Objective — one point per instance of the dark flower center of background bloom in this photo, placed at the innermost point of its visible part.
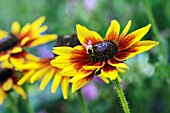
(102, 51)
(67, 40)
(8, 42)
(5, 74)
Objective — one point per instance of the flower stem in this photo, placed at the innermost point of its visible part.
(27, 102)
(12, 104)
(155, 29)
(121, 96)
(29, 108)
(82, 102)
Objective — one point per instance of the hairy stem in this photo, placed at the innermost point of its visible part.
(82, 102)
(121, 96)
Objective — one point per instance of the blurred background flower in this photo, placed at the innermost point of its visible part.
(8, 82)
(90, 91)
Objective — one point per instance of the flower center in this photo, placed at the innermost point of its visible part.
(102, 51)
(67, 40)
(8, 42)
(5, 74)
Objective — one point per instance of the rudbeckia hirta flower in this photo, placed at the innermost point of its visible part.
(100, 56)
(8, 82)
(42, 70)
(30, 35)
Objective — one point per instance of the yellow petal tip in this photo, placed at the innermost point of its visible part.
(72, 91)
(157, 43)
(78, 26)
(41, 89)
(65, 98)
(43, 18)
(149, 25)
(19, 83)
(129, 22)
(114, 21)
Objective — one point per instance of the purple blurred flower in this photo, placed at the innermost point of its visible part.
(45, 51)
(90, 91)
(90, 4)
(98, 79)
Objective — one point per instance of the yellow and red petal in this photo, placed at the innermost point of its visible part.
(123, 55)
(121, 70)
(56, 81)
(25, 40)
(81, 74)
(133, 37)
(109, 71)
(29, 66)
(31, 57)
(60, 62)
(39, 31)
(25, 31)
(97, 37)
(80, 83)
(116, 63)
(142, 46)
(62, 50)
(124, 32)
(26, 77)
(37, 23)
(69, 71)
(113, 31)
(85, 35)
(137, 48)
(94, 66)
(79, 63)
(78, 48)
(47, 79)
(65, 86)
(145, 45)
(104, 79)
(79, 58)
(41, 40)
(15, 29)
(39, 74)
(16, 50)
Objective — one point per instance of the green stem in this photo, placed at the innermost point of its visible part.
(29, 108)
(82, 102)
(155, 29)
(121, 96)
(12, 104)
(27, 102)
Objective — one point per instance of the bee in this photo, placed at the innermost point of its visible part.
(90, 48)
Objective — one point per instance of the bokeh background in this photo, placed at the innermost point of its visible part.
(147, 81)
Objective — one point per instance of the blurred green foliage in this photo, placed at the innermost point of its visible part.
(146, 82)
